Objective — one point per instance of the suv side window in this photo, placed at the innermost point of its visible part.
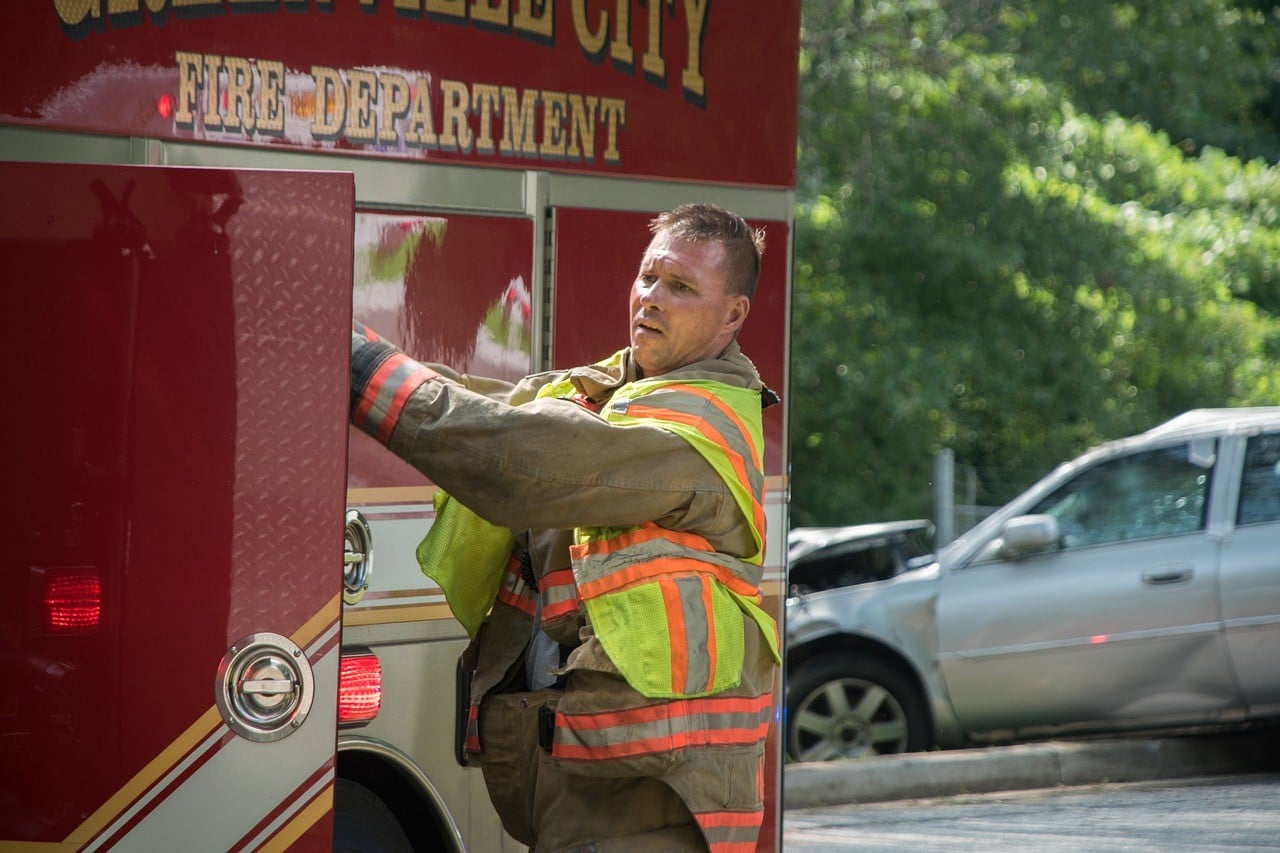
(1260, 488)
(1151, 493)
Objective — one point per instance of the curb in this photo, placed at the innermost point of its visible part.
(1037, 765)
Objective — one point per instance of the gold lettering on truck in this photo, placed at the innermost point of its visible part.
(394, 98)
(455, 132)
(420, 132)
(691, 79)
(485, 103)
(239, 106)
(73, 12)
(596, 23)
(520, 113)
(188, 89)
(540, 25)
(331, 103)
(361, 86)
(393, 109)
(211, 73)
(499, 15)
(271, 97)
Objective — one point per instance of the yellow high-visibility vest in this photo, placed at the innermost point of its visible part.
(666, 606)
(466, 556)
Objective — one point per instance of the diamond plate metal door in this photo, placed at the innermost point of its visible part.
(177, 442)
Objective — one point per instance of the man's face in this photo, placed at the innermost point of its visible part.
(682, 309)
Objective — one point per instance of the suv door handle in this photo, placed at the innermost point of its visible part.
(1167, 576)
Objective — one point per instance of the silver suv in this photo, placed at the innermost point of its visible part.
(1136, 587)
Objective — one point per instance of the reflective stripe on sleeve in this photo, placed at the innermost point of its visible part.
(383, 399)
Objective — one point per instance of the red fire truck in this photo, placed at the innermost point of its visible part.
(215, 634)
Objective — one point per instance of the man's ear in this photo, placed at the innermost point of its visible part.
(736, 313)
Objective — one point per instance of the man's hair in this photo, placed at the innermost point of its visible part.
(743, 245)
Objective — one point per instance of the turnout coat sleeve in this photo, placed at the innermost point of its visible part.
(522, 462)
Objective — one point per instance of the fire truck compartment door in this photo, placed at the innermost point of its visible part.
(178, 346)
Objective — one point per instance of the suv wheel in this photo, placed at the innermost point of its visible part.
(852, 706)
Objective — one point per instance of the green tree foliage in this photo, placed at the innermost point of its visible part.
(1186, 67)
(1018, 234)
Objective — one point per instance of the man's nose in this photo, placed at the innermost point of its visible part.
(650, 293)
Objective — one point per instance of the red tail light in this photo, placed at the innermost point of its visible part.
(359, 688)
(73, 601)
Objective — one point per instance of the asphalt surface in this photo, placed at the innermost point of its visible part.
(1205, 814)
(1045, 764)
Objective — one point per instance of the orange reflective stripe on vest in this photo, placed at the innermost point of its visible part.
(662, 727)
(717, 422)
(693, 642)
(684, 568)
(665, 605)
(649, 551)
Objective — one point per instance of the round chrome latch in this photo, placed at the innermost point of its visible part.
(264, 687)
(357, 557)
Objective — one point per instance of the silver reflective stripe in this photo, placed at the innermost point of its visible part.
(731, 830)
(558, 594)
(663, 727)
(697, 628)
(725, 428)
(595, 566)
(391, 384)
(514, 583)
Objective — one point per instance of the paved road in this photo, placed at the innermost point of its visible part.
(1047, 764)
(1205, 815)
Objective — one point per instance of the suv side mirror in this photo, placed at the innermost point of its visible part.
(1028, 534)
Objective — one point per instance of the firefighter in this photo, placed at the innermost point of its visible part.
(600, 534)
